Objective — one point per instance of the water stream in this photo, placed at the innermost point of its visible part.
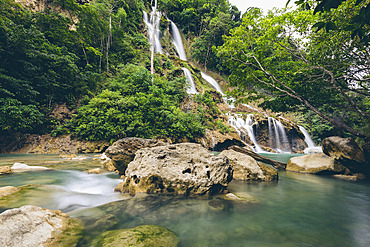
(299, 210)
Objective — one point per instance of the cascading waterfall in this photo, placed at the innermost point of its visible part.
(149, 25)
(191, 89)
(278, 139)
(177, 41)
(244, 128)
(216, 86)
(311, 148)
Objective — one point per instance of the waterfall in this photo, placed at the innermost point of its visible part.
(149, 25)
(177, 41)
(245, 127)
(311, 148)
(191, 89)
(278, 139)
(216, 86)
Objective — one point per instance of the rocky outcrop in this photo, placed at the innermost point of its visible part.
(123, 151)
(346, 152)
(248, 169)
(5, 170)
(180, 169)
(217, 141)
(316, 164)
(36, 226)
(146, 235)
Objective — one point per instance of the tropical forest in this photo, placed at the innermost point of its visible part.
(184, 123)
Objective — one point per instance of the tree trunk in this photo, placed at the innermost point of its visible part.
(276, 164)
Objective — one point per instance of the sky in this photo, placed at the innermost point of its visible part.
(264, 4)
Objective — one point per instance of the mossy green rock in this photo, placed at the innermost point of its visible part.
(141, 236)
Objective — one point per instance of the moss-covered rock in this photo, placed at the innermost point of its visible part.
(141, 236)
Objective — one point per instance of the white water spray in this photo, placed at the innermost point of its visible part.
(149, 26)
(311, 148)
(177, 41)
(191, 89)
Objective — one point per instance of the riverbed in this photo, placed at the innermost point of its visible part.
(298, 210)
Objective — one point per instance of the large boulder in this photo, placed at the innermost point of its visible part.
(5, 170)
(34, 226)
(123, 151)
(347, 152)
(247, 168)
(316, 164)
(141, 236)
(180, 169)
(343, 149)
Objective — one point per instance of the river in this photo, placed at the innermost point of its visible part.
(299, 210)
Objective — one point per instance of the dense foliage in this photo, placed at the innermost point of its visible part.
(280, 58)
(133, 106)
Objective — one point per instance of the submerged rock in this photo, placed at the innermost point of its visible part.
(247, 168)
(239, 197)
(5, 170)
(24, 167)
(8, 190)
(36, 226)
(181, 169)
(316, 164)
(94, 171)
(141, 236)
(123, 151)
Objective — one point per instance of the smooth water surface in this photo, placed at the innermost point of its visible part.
(299, 210)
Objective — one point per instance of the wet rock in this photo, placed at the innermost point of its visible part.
(343, 149)
(247, 168)
(141, 236)
(123, 151)
(354, 177)
(94, 171)
(5, 170)
(180, 169)
(24, 167)
(316, 164)
(36, 226)
(8, 190)
(347, 152)
(239, 197)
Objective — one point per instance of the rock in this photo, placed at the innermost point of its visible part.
(239, 197)
(5, 170)
(347, 152)
(180, 169)
(354, 177)
(109, 165)
(8, 190)
(343, 149)
(141, 236)
(123, 151)
(24, 167)
(318, 163)
(248, 169)
(73, 157)
(94, 171)
(36, 226)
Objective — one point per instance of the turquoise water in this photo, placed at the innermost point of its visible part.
(299, 210)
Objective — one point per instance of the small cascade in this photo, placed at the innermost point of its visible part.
(213, 143)
(278, 139)
(191, 89)
(216, 86)
(149, 25)
(177, 41)
(244, 128)
(311, 148)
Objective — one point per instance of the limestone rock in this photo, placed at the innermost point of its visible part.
(247, 168)
(123, 151)
(141, 236)
(94, 171)
(347, 152)
(342, 149)
(182, 169)
(318, 163)
(35, 226)
(239, 197)
(24, 167)
(5, 170)
(8, 190)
